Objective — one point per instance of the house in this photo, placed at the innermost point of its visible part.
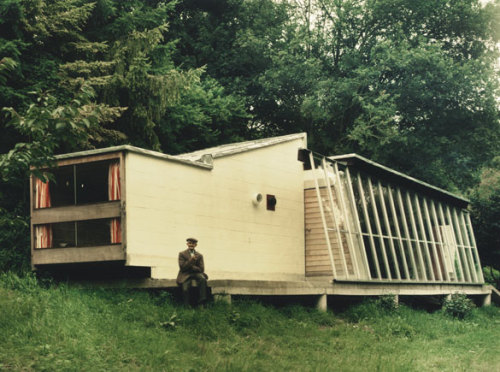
(272, 218)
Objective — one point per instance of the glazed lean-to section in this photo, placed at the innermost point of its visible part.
(373, 223)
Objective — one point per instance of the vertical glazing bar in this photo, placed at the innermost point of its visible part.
(441, 240)
(398, 231)
(474, 246)
(468, 246)
(415, 234)
(379, 229)
(463, 265)
(328, 187)
(388, 229)
(407, 233)
(465, 258)
(433, 240)
(74, 185)
(356, 220)
(458, 268)
(424, 236)
(320, 204)
(368, 226)
(350, 242)
(461, 253)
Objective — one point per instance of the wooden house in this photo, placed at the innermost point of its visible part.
(272, 218)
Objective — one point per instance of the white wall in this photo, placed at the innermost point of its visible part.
(166, 202)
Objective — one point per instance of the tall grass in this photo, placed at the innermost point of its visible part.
(49, 327)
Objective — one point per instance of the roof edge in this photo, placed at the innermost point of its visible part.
(398, 174)
(239, 147)
(133, 149)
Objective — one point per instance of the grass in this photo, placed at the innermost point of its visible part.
(48, 327)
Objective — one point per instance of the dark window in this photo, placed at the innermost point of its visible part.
(271, 202)
(63, 235)
(92, 182)
(93, 233)
(89, 233)
(62, 190)
(80, 184)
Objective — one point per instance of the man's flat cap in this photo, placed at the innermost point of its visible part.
(194, 240)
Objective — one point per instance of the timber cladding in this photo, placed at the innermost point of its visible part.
(317, 257)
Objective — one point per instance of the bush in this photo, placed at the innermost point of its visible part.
(492, 276)
(458, 306)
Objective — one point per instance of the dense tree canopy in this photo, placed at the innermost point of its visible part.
(412, 84)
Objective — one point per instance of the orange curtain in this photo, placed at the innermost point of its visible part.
(43, 233)
(42, 194)
(114, 193)
(43, 236)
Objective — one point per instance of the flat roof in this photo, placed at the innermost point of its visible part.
(137, 150)
(200, 158)
(239, 147)
(369, 166)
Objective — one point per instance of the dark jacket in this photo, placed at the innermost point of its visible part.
(188, 266)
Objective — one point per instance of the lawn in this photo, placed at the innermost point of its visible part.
(49, 327)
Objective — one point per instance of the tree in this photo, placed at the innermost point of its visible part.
(486, 214)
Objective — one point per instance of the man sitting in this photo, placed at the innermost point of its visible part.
(192, 268)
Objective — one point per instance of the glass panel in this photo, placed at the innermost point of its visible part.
(370, 258)
(94, 232)
(88, 233)
(63, 235)
(92, 182)
(62, 190)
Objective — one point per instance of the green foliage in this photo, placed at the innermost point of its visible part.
(372, 308)
(486, 214)
(58, 327)
(458, 306)
(491, 276)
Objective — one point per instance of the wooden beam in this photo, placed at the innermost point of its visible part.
(334, 218)
(468, 247)
(76, 213)
(350, 242)
(385, 215)
(379, 229)
(398, 231)
(415, 235)
(368, 226)
(352, 200)
(432, 238)
(407, 233)
(89, 159)
(458, 233)
(424, 236)
(473, 240)
(47, 256)
(318, 195)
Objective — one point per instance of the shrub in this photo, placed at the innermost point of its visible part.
(458, 306)
(492, 276)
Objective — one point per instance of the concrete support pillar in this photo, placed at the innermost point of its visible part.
(222, 297)
(486, 300)
(396, 300)
(321, 303)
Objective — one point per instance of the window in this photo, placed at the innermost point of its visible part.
(80, 184)
(88, 233)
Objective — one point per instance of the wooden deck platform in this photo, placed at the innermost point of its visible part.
(321, 289)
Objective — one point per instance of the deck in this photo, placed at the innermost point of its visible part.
(319, 289)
